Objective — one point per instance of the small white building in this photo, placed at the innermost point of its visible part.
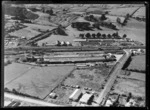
(52, 95)
(108, 103)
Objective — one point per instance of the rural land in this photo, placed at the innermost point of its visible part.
(78, 55)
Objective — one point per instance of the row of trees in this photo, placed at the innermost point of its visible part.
(81, 25)
(18, 93)
(101, 36)
(140, 19)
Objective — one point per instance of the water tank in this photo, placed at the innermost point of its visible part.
(62, 43)
(68, 43)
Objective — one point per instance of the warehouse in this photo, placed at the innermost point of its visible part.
(86, 98)
(75, 95)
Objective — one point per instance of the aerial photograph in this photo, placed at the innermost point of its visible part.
(74, 55)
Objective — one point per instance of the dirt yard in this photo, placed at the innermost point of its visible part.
(124, 86)
(92, 78)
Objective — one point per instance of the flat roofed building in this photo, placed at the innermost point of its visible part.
(75, 95)
(85, 98)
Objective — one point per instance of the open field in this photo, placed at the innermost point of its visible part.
(92, 78)
(133, 75)
(124, 86)
(141, 12)
(39, 81)
(122, 11)
(138, 63)
(13, 70)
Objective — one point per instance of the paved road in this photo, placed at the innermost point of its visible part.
(30, 100)
(112, 78)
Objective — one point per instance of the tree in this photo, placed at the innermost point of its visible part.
(93, 35)
(6, 89)
(58, 43)
(104, 36)
(109, 36)
(98, 35)
(117, 35)
(124, 36)
(118, 20)
(14, 91)
(114, 35)
(103, 17)
(88, 35)
(51, 12)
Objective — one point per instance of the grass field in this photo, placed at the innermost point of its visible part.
(39, 81)
(137, 63)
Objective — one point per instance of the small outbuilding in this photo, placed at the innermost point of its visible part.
(52, 95)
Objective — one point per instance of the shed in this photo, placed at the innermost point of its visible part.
(85, 98)
(52, 95)
(75, 95)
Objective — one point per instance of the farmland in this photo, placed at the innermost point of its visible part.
(137, 63)
(38, 81)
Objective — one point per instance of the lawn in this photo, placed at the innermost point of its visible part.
(39, 81)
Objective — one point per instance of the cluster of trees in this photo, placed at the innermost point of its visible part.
(60, 30)
(103, 17)
(96, 25)
(140, 19)
(14, 27)
(28, 59)
(93, 19)
(108, 25)
(90, 18)
(50, 12)
(81, 26)
(125, 20)
(20, 13)
(101, 36)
